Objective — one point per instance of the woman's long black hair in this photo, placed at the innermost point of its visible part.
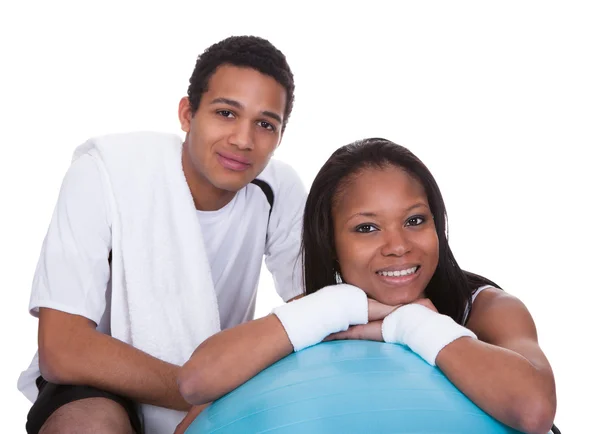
(450, 289)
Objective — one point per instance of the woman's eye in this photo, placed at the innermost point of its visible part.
(225, 113)
(266, 125)
(363, 229)
(415, 221)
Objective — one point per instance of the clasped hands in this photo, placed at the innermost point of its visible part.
(372, 330)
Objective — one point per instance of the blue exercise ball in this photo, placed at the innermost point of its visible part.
(347, 387)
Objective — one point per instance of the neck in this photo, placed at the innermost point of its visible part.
(206, 196)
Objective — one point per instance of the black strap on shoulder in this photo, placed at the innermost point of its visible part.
(267, 190)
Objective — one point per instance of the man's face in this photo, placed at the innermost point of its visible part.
(236, 128)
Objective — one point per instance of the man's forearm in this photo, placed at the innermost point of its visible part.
(91, 358)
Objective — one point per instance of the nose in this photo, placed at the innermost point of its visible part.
(395, 243)
(241, 135)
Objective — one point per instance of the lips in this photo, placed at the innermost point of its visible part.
(398, 275)
(233, 162)
(400, 268)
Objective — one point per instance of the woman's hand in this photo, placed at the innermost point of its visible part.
(370, 331)
(378, 311)
(189, 418)
(366, 332)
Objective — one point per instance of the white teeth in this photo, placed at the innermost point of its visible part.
(397, 273)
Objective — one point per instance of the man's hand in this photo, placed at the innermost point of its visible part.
(189, 418)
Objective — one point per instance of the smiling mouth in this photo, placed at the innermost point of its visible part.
(232, 164)
(399, 273)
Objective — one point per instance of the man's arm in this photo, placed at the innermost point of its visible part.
(73, 352)
(69, 297)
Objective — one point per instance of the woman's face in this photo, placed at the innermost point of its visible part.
(384, 234)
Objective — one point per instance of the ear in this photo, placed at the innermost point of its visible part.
(185, 114)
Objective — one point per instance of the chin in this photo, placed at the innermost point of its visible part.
(395, 298)
(232, 184)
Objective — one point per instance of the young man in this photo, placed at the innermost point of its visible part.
(156, 244)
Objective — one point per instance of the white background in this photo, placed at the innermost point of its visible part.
(500, 99)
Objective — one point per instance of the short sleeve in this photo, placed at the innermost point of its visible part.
(73, 270)
(282, 255)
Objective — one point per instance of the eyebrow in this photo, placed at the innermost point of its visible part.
(373, 214)
(239, 105)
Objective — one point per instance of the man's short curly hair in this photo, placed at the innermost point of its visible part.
(244, 51)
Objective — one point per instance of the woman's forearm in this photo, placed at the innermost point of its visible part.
(502, 382)
(230, 358)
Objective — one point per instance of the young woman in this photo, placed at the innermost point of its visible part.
(377, 266)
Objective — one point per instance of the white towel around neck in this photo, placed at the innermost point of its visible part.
(163, 301)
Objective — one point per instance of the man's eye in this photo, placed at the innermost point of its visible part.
(225, 113)
(266, 125)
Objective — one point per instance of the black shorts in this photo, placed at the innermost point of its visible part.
(53, 396)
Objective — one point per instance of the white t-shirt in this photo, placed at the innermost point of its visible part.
(73, 273)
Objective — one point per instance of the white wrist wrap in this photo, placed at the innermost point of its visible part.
(422, 330)
(310, 319)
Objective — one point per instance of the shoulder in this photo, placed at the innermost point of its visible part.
(82, 195)
(82, 175)
(281, 176)
(489, 297)
(497, 316)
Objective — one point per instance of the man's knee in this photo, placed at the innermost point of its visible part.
(87, 416)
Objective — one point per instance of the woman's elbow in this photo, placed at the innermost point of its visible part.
(193, 384)
(537, 417)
